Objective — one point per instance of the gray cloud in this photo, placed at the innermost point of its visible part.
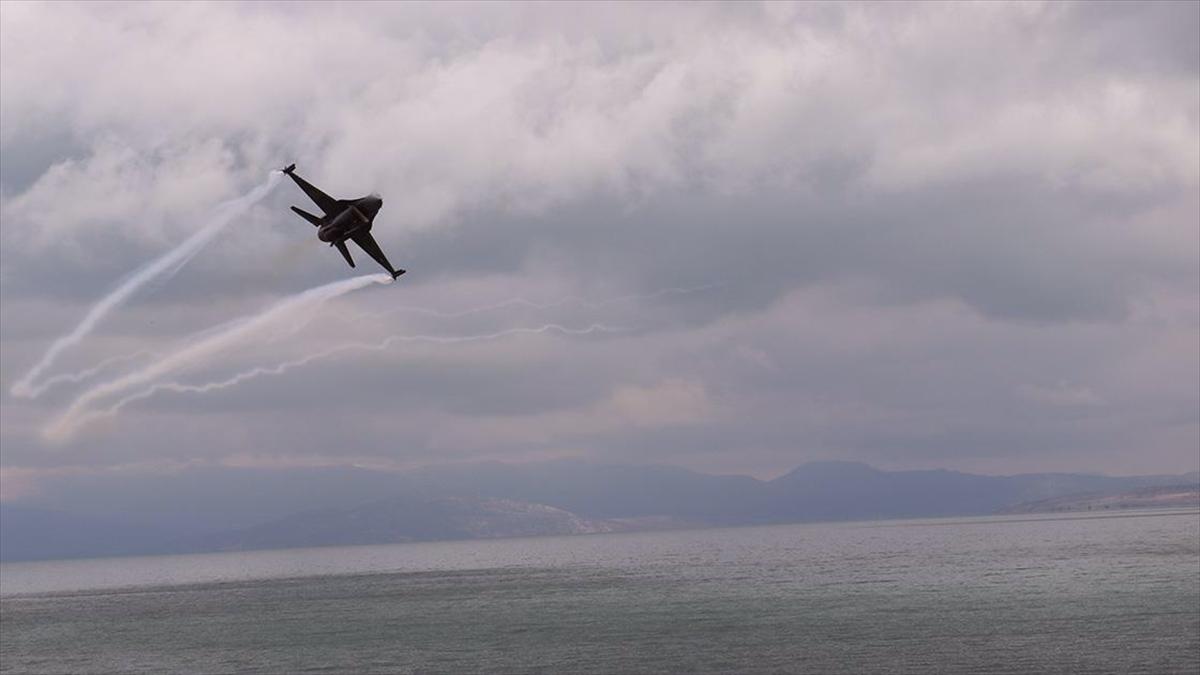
(939, 234)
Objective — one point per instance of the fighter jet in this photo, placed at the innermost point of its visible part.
(344, 219)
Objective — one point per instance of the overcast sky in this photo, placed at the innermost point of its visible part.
(960, 236)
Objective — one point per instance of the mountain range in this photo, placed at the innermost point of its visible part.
(222, 508)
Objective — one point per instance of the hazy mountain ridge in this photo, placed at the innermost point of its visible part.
(408, 519)
(228, 508)
(31, 533)
(1163, 496)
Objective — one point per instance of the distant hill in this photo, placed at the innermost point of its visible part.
(841, 490)
(219, 508)
(33, 534)
(408, 519)
(1161, 497)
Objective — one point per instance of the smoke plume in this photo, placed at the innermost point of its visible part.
(164, 266)
(198, 350)
(281, 368)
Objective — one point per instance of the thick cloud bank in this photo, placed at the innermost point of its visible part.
(929, 235)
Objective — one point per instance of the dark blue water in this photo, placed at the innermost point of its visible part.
(1050, 594)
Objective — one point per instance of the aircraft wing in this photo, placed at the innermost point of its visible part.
(325, 202)
(341, 246)
(367, 243)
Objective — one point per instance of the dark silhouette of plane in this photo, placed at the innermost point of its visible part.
(344, 219)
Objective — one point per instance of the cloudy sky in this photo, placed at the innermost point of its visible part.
(729, 237)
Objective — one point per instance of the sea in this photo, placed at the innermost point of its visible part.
(1100, 593)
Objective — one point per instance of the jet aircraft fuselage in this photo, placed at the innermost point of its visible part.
(344, 219)
(358, 215)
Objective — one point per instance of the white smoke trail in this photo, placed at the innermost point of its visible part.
(511, 302)
(75, 378)
(165, 265)
(197, 350)
(281, 368)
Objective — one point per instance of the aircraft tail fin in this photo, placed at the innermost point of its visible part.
(289, 169)
(397, 273)
(315, 220)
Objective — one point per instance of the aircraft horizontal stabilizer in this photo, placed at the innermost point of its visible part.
(341, 246)
(315, 220)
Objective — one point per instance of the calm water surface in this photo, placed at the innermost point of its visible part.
(1116, 594)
